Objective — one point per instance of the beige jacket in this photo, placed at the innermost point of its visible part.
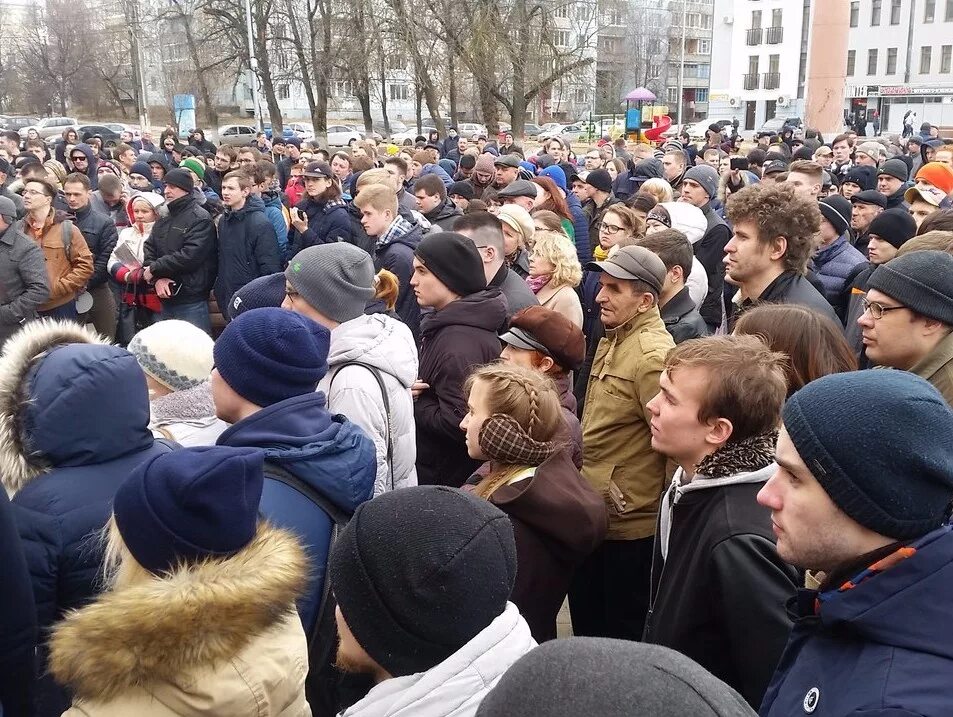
(937, 368)
(617, 458)
(562, 299)
(219, 638)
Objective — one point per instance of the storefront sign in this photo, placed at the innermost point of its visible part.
(915, 90)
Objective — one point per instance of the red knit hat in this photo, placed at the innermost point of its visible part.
(939, 175)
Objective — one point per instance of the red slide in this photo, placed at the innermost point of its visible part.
(660, 124)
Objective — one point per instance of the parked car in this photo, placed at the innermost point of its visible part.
(237, 135)
(396, 126)
(286, 131)
(569, 132)
(340, 135)
(302, 130)
(531, 130)
(365, 133)
(411, 133)
(777, 124)
(471, 129)
(697, 130)
(120, 128)
(110, 137)
(50, 126)
(18, 122)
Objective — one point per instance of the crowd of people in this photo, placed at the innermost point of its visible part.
(288, 432)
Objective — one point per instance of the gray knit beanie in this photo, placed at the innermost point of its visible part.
(921, 280)
(587, 676)
(336, 279)
(707, 177)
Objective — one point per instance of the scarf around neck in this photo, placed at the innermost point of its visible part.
(536, 283)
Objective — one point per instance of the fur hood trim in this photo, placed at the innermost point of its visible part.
(24, 348)
(166, 627)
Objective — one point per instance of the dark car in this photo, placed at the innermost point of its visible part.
(109, 137)
(18, 123)
(531, 130)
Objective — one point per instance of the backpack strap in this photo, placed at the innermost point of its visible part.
(375, 372)
(276, 472)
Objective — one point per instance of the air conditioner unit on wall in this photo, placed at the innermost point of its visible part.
(734, 102)
(729, 20)
(784, 101)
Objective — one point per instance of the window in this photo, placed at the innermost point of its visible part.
(892, 61)
(701, 95)
(672, 94)
(614, 17)
(854, 13)
(341, 88)
(608, 44)
(583, 12)
(871, 62)
(929, 10)
(693, 19)
(946, 55)
(561, 11)
(284, 92)
(399, 92)
(704, 47)
(875, 8)
(655, 46)
(579, 95)
(774, 64)
(704, 71)
(396, 61)
(755, 19)
(926, 59)
(851, 60)
(655, 69)
(706, 22)
(949, 11)
(895, 12)
(561, 38)
(776, 16)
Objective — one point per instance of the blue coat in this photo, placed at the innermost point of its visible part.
(246, 249)
(580, 225)
(274, 210)
(397, 256)
(17, 620)
(832, 266)
(329, 453)
(88, 420)
(327, 223)
(881, 649)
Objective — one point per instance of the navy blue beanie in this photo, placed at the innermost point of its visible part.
(270, 355)
(265, 291)
(190, 504)
(880, 443)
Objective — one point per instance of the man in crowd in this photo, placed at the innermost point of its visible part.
(422, 579)
(485, 230)
(521, 192)
(806, 177)
(507, 169)
(699, 188)
(598, 189)
(673, 169)
(719, 588)
(433, 203)
(908, 317)
(774, 230)
(100, 234)
(6, 173)
(398, 169)
(875, 525)
(226, 159)
(609, 595)
(836, 262)
(110, 199)
(180, 256)
(459, 333)
(678, 311)
(23, 276)
(865, 207)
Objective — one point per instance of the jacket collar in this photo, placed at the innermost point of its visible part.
(633, 325)
(677, 307)
(940, 356)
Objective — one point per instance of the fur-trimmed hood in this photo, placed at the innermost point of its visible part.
(180, 631)
(67, 398)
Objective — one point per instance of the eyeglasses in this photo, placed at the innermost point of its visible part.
(32, 193)
(877, 310)
(291, 293)
(610, 228)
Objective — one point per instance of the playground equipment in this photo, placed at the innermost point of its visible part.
(660, 123)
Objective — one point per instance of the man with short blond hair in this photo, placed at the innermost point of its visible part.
(806, 177)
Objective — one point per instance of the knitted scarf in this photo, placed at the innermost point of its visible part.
(536, 283)
(600, 254)
(745, 456)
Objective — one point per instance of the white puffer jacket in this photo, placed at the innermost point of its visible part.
(457, 686)
(387, 344)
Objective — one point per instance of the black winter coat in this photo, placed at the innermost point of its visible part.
(682, 319)
(327, 223)
(443, 216)
(181, 247)
(101, 236)
(397, 256)
(788, 288)
(455, 339)
(247, 249)
(710, 252)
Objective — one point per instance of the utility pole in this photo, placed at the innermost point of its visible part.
(138, 74)
(681, 62)
(252, 66)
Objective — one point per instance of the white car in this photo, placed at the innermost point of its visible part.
(569, 132)
(470, 130)
(304, 132)
(340, 135)
(50, 127)
(411, 134)
(236, 135)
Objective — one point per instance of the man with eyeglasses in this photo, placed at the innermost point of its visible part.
(907, 322)
(593, 159)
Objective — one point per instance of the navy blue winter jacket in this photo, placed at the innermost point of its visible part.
(883, 648)
(327, 223)
(329, 453)
(397, 256)
(580, 225)
(17, 620)
(832, 266)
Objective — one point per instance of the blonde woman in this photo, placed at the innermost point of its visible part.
(554, 274)
(199, 616)
(514, 422)
(658, 188)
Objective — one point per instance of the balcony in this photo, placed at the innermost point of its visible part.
(770, 80)
(754, 36)
(752, 81)
(774, 36)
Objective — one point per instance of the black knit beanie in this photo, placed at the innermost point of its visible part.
(921, 280)
(455, 260)
(894, 226)
(419, 572)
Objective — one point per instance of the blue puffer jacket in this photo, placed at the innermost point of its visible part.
(832, 266)
(328, 222)
(274, 210)
(580, 225)
(439, 171)
(64, 454)
(883, 648)
(330, 454)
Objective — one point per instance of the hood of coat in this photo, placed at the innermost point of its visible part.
(67, 398)
(92, 159)
(484, 310)
(377, 340)
(165, 628)
(155, 200)
(252, 204)
(447, 210)
(457, 685)
(330, 453)
(899, 606)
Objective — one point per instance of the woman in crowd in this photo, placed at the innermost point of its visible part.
(815, 345)
(642, 203)
(518, 236)
(546, 221)
(140, 304)
(549, 197)
(514, 422)
(615, 167)
(619, 222)
(658, 188)
(199, 615)
(176, 358)
(554, 274)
